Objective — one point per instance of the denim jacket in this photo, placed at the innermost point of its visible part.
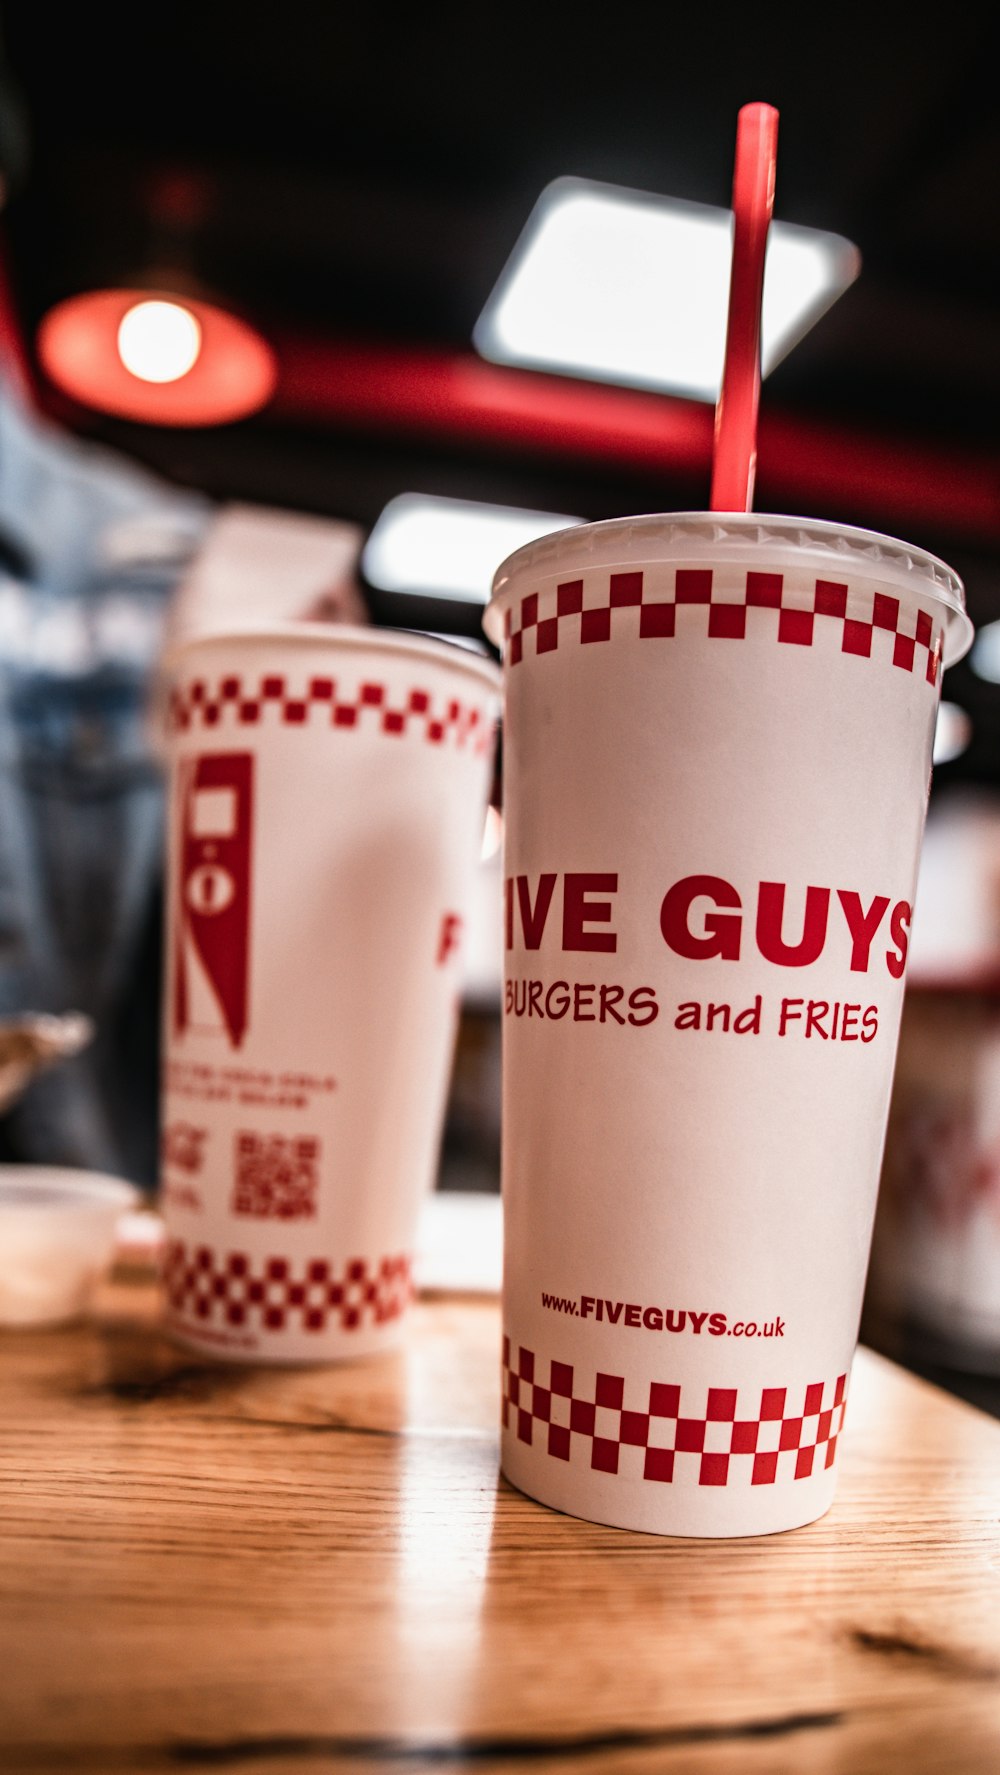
(91, 548)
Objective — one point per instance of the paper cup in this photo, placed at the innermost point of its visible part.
(328, 788)
(717, 755)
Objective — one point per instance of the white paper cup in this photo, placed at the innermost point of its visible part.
(328, 788)
(717, 756)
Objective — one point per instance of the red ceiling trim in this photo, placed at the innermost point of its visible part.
(803, 465)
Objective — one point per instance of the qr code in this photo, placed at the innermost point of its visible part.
(277, 1177)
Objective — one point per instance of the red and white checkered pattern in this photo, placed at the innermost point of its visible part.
(563, 617)
(276, 1293)
(768, 1437)
(237, 701)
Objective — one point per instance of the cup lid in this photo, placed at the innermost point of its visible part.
(786, 541)
(343, 637)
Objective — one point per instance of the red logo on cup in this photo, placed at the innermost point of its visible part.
(211, 960)
(449, 939)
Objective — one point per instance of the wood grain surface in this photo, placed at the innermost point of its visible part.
(308, 1570)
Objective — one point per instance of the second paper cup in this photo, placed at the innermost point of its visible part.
(328, 789)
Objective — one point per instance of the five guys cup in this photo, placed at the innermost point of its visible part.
(328, 789)
(717, 758)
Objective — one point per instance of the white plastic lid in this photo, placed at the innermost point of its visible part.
(333, 636)
(786, 542)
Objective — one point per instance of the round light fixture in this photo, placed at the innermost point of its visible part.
(156, 357)
(159, 341)
(952, 733)
(985, 656)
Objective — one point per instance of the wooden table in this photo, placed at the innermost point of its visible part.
(320, 1570)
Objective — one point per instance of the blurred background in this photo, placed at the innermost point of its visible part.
(354, 187)
(335, 195)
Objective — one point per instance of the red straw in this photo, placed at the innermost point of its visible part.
(734, 462)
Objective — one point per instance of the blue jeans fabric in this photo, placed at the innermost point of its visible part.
(81, 799)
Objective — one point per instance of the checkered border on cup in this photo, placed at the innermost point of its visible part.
(277, 1294)
(776, 1433)
(246, 702)
(559, 616)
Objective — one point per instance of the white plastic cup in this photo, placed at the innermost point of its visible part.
(328, 788)
(57, 1238)
(718, 739)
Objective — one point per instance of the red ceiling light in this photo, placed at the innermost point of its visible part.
(156, 357)
(159, 341)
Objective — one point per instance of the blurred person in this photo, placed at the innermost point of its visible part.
(101, 566)
(91, 549)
